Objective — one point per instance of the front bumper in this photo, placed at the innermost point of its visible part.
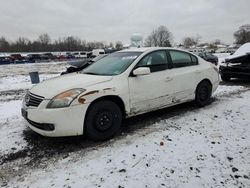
(235, 72)
(55, 122)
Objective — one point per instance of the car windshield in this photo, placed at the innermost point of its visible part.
(98, 58)
(112, 64)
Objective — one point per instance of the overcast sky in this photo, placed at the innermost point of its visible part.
(113, 20)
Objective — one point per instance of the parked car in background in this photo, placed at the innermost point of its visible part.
(4, 59)
(34, 57)
(69, 55)
(121, 85)
(77, 66)
(97, 52)
(237, 65)
(89, 54)
(197, 50)
(208, 57)
(16, 57)
(80, 54)
(48, 56)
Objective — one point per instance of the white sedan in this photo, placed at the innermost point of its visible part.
(123, 84)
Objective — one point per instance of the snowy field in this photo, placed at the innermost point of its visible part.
(15, 79)
(182, 146)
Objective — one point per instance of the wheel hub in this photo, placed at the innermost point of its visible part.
(104, 120)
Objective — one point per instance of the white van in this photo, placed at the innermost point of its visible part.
(97, 52)
(80, 54)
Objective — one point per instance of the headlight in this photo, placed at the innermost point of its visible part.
(64, 99)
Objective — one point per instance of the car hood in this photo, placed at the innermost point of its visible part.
(52, 87)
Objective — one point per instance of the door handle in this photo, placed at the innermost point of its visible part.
(167, 79)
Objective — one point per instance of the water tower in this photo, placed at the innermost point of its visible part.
(136, 40)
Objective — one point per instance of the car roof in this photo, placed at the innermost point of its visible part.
(148, 49)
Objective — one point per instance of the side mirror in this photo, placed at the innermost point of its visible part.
(141, 71)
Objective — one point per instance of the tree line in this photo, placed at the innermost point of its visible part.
(44, 43)
(241, 36)
(160, 36)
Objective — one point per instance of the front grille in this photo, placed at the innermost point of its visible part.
(33, 100)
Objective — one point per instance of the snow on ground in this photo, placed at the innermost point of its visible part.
(12, 123)
(24, 69)
(21, 81)
(206, 147)
(225, 90)
(14, 80)
(14, 77)
(11, 127)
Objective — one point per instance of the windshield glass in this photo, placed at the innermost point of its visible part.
(112, 64)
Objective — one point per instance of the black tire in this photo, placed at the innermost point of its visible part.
(203, 93)
(103, 121)
(225, 78)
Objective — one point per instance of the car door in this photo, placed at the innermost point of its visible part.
(152, 91)
(185, 70)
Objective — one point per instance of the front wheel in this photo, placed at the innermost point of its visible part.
(203, 93)
(103, 121)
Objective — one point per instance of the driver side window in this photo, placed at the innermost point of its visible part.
(156, 61)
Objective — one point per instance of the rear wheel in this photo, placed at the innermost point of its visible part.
(203, 93)
(103, 120)
(225, 78)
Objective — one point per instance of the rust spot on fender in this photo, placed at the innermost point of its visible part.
(107, 89)
(90, 93)
(81, 100)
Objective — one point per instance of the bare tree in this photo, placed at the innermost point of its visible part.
(148, 41)
(44, 39)
(191, 41)
(118, 45)
(111, 45)
(217, 41)
(188, 41)
(242, 35)
(72, 43)
(159, 37)
(21, 45)
(4, 45)
(99, 45)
